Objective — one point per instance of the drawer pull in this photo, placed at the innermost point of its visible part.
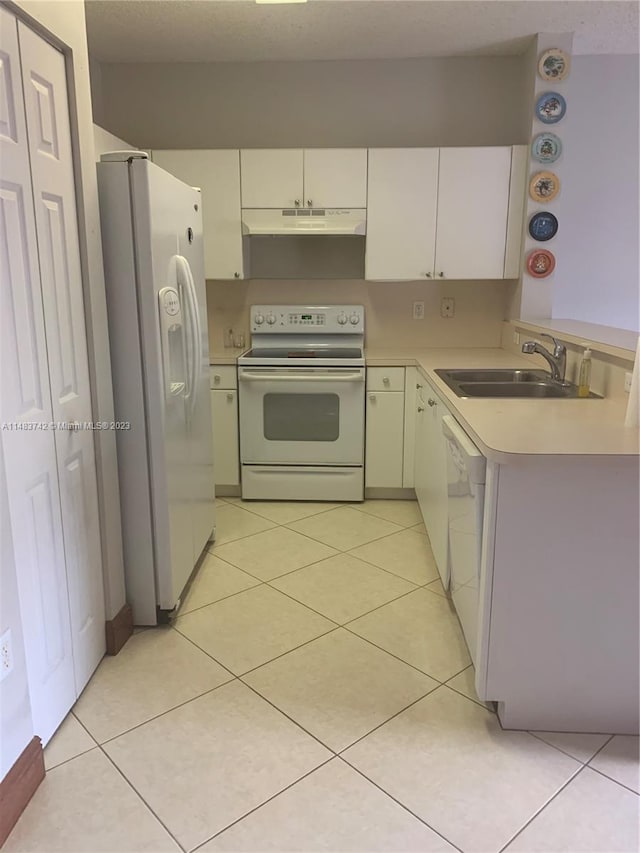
(432, 402)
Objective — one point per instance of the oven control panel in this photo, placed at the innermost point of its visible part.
(326, 319)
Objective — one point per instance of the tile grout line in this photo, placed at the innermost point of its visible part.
(544, 806)
(610, 778)
(260, 805)
(564, 751)
(139, 795)
(399, 803)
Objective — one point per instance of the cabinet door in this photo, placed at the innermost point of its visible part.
(47, 112)
(401, 213)
(384, 439)
(271, 177)
(217, 173)
(430, 473)
(224, 416)
(335, 177)
(473, 201)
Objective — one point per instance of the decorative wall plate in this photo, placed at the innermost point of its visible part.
(543, 226)
(550, 107)
(546, 147)
(544, 186)
(553, 64)
(540, 263)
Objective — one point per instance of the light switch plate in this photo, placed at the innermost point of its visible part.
(627, 381)
(418, 310)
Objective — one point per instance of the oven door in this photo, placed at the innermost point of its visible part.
(301, 415)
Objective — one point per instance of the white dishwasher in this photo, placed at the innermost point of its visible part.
(466, 468)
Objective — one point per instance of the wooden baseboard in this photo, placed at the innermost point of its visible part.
(19, 785)
(119, 629)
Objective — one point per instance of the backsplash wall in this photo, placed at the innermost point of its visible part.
(479, 309)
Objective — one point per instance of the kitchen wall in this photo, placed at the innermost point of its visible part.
(598, 206)
(435, 101)
(430, 102)
(388, 306)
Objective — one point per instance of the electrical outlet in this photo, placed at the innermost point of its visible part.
(418, 310)
(228, 338)
(6, 654)
(447, 306)
(516, 338)
(627, 382)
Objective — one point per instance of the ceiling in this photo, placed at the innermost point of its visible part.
(241, 31)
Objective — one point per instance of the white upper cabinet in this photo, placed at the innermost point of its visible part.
(335, 177)
(272, 177)
(401, 213)
(442, 213)
(314, 177)
(473, 202)
(217, 173)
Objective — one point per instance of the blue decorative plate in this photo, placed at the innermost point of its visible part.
(546, 147)
(550, 108)
(543, 226)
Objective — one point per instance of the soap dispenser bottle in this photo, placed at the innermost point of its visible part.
(584, 377)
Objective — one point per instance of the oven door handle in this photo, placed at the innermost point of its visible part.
(301, 377)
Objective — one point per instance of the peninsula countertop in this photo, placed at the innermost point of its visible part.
(504, 428)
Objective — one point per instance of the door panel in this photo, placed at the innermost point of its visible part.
(25, 400)
(271, 177)
(335, 177)
(384, 439)
(473, 200)
(224, 415)
(401, 213)
(47, 114)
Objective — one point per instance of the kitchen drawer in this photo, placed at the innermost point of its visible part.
(385, 379)
(223, 376)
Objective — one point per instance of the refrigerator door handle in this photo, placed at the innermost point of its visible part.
(185, 277)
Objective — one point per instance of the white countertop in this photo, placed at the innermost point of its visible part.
(504, 428)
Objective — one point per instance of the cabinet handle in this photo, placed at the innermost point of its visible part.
(230, 398)
(372, 397)
(432, 402)
(297, 202)
(418, 387)
(441, 274)
(385, 380)
(236, 275)
(421, 408)
(216, 379)
(428, 274)
(309, 202)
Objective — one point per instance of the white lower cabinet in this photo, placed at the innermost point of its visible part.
(430, 471)
(224, 417)
(384, 439)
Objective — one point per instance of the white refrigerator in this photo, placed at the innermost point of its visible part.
(154, 271)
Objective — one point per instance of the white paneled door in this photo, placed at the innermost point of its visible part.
(28, 444)
(51, 473)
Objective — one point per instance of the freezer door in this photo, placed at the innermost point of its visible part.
(166, 212)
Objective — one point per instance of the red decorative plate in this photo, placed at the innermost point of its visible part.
(540, 263)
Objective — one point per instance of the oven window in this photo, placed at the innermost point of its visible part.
(301, 417)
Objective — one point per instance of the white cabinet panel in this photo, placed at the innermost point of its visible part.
(473, 200)
(271, 177)
(335, 177)
(47, 115)
(430, 471)
(224, 416)
(385, 378)
(401, 213)
(384, 441)
(217, 174)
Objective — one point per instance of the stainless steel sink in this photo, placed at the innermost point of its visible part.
(503, 383)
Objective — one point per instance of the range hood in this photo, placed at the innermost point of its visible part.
(307, 221)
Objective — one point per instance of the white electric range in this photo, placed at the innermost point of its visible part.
(301, 397)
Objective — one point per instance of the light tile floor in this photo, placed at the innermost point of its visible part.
(316, 694)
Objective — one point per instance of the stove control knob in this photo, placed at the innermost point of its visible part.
(354, 319)
(271, 318)
(258, 319)
(342, 318)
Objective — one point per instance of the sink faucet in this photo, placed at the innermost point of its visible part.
(557, 360)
